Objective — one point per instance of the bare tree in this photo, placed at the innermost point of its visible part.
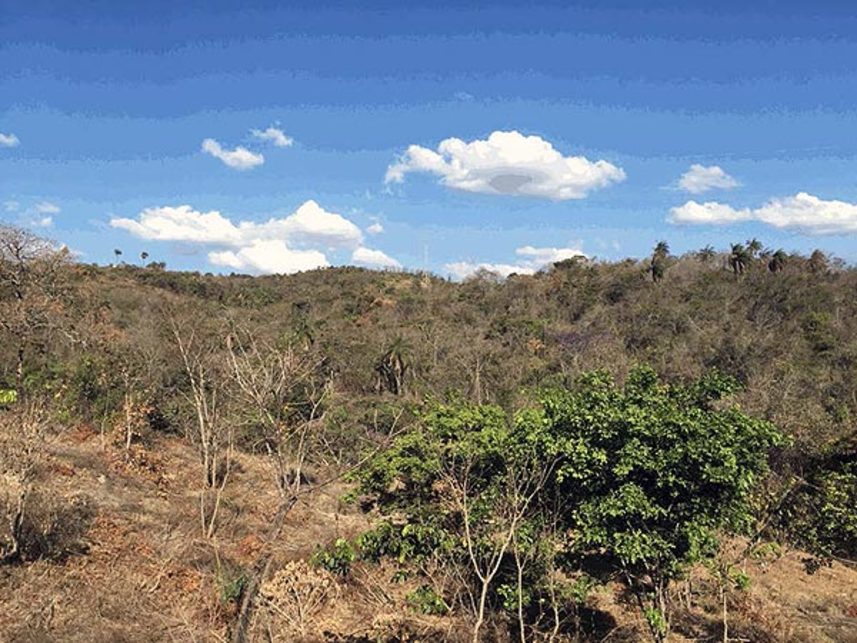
(213, 436)
(283, 390)
(23, 437)
(30, 290)
(486, 551)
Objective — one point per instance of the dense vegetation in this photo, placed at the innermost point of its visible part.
(514, 443)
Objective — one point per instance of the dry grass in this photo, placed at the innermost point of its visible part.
(143, 573)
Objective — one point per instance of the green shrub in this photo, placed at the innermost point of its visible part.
(426, 600)
(336, 559)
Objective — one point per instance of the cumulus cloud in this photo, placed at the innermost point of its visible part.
(539, 257)
(375, 228)
(278, 245)
(532, 260)
(239, 158)
(802, 211)
(464, 269)
(363, 256)
(9, 140)
(269, 256)
(181, 223)
(310, 224)
(274, 135)
(507, 163)
(699, 179)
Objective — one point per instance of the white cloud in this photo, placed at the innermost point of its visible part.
(274, 135)
(539, 257)
(375, 228)
(708, 212)
(532, 260)
(11, 206)
(310, 224)
(508, 163)
(699, 179)
(240, 158)
(9, 140)
(269, 256)
(281, 245)
(181, 223)
(44, 222)
(802, 211)
(374, 258)
(465, 269)
(46, 207)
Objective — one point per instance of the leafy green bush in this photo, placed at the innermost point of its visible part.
(336, 559)
(426, 600)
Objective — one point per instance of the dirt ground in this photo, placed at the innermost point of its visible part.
(140, 570)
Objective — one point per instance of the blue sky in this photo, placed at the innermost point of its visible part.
(576, 123)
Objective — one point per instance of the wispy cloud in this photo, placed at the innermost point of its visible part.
(375, 228)
(507, 163)
(239, 158)
(274, 135)
(9, 140)
(699, 179)
(46, 207)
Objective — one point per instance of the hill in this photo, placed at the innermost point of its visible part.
(185, 455)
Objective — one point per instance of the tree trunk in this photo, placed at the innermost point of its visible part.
(13, 555)
(260, 572)
(480, 615)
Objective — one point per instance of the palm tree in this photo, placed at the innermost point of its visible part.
(753, 247)
(659, 260)
(117, 253)
(777, 261)
(392, 368)
(739, 258)
(706, 254)
(144, 255)
(817, 261)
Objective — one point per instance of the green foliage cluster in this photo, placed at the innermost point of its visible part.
(336, 559)
(646, 476)
(820, 515)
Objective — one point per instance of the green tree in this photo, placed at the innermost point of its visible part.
(392, 367)
(778, 261)
(458, 489)
(656, 470)
(754, 246)
(818, 262)
(645, 475)
(706, 254)
(739, 258)
(658, 264)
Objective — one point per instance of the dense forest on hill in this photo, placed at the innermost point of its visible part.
(601, 450)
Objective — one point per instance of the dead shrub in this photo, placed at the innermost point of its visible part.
(296, 596)
(51, 528)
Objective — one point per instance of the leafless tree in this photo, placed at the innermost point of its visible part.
(30, 288)
(212, 434)
(23, 439)
(486, 552)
